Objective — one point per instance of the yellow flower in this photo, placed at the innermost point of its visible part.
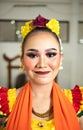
(3, 114)
(53, 24)
(26, 29)
(68, 93)
(11, 97)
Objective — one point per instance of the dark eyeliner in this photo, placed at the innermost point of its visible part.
(31, 55)
(51, 54)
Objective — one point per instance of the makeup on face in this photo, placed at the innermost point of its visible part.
(33, 53)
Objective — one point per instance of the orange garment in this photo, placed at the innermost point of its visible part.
(64, 113)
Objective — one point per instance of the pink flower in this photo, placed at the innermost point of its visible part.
(39, 22)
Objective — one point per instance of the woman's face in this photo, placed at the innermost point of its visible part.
(41, 57)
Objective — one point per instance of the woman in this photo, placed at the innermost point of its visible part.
(41, 104)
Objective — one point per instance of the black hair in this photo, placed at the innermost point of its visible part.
(35, 30)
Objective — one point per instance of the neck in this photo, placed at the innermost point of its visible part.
(41, 90)
(41, 95)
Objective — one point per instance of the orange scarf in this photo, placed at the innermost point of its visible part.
(64, 114)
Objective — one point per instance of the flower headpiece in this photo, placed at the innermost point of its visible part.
(40, 22)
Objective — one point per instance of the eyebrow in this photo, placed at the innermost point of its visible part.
(45, 50)
(51, 49)
(32, 50)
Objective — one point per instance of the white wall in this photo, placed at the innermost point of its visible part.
(73, 64)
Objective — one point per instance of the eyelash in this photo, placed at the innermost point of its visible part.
(49, 55)
(31, 55)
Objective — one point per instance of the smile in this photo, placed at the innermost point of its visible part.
(42, 72)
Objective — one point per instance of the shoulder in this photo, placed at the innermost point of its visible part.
(81, 122)
(18, 91)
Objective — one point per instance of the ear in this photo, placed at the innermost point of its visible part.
(61, 67)
(62, 56)
(21, 63)
(22, 60)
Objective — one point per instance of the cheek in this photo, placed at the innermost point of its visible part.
(55, 63)
(29, 64)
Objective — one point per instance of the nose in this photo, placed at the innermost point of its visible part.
(42, 62)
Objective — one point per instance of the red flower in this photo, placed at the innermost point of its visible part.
(4, 100)
(77, 97)
(39, 22)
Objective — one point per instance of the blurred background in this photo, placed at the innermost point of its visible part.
(14, 13)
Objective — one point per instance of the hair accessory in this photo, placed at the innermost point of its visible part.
(40, 22)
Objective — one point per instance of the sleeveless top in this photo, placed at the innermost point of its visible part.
(39, 124)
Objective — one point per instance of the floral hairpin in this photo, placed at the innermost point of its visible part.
(40, 22)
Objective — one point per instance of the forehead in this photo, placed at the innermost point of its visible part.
(41, 40)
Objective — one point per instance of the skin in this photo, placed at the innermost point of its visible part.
(41, 82)
(81, 122)
(39, 65)
(42, 65)
(45, 58)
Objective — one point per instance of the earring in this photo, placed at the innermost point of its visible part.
(61, 67)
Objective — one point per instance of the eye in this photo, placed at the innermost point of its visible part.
(31, 55)
(51, 54)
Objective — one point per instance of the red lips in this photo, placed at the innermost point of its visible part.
(42, 72)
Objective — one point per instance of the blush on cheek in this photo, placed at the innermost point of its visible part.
(55, 64)
(29, 64)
